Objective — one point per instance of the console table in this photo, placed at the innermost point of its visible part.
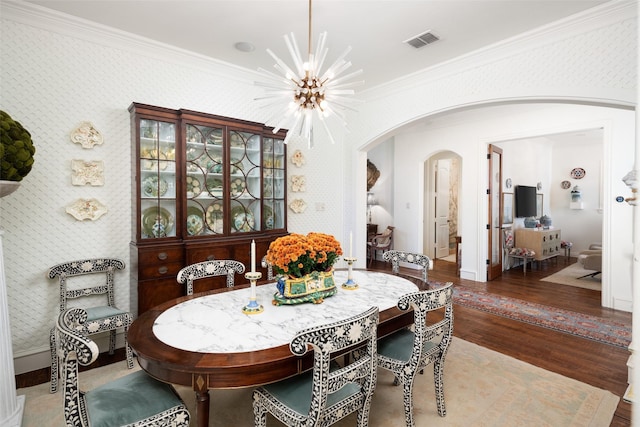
(545, 243)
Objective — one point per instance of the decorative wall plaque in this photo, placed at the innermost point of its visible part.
(298, 183)
(83, 209)
(86, 135)
(298, 205)
(297, 158)
(87, 172)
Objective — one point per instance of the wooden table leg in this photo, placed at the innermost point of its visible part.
(202, 408)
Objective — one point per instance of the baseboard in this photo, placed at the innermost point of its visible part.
(42, 358)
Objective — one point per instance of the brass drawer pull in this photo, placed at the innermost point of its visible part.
(211, 258)
(162, 256)
(163, 270)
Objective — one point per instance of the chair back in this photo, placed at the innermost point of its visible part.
(422, 303)
(201, 270)
(396, 257)
(383, 240)
(508, 240)
(64, 271)
(361, 372)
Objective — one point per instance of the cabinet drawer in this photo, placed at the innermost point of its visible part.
(156, 263)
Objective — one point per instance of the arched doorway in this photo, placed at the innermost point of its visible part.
(441, 186)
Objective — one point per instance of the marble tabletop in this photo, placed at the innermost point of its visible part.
(215, 323)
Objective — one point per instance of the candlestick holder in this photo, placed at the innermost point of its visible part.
(350, 285)
(253, 307)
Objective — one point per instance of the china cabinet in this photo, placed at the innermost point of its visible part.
(205, 186)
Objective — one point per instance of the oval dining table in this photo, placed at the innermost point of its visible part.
(205, 341)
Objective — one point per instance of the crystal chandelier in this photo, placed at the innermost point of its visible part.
(299, 91)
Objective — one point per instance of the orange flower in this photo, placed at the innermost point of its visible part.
(297, 255)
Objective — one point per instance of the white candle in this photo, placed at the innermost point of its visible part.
(351, 244)
(253, 256)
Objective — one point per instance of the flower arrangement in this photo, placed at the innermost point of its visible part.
(297, 255)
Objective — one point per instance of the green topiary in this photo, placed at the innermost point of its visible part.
(16, 149)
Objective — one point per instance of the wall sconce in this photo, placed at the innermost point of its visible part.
(371, 202)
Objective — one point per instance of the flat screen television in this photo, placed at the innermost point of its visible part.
(526, 201)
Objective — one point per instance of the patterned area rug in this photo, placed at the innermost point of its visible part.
(481, 387)
(594, 328)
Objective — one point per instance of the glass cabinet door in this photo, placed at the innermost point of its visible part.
(273, 170)
(245, 190)
(204, 153)
(157, 179)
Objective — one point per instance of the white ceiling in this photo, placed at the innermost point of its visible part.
(375, 29)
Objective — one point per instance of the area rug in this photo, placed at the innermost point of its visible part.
(569, 276)
(482, 388)
(595, 328)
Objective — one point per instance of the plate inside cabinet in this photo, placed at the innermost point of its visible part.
(195, 221)
(578, 173)
(242, 220)
(152, 186)
(157, 222)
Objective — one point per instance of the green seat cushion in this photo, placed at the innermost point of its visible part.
(126, 400)
(399, 345)
(295, 392)
(95, 313)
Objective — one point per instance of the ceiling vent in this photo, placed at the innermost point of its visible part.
(422, 39)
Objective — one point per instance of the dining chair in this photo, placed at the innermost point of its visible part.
(328, 392)
(408, 351)
(380, 242)
(512, 252)
(101, 317)
(395, 257)
(136, 399)
(204, 269)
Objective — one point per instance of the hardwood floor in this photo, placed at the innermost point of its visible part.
(601, 365)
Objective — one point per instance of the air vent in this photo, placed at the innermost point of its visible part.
(422, 39)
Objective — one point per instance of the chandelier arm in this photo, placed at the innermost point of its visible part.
(336, 63)
(346, 85)
(281, 63)
(280, 78)
(294, 51)
(321, 52)
(326, 128)
(346, 77)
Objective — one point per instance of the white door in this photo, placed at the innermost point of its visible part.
(443, 168)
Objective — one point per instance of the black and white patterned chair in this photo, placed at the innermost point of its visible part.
(408, 351)
(395, 257)
(201, 270)
(136, 399)
(327, 393)
(101, 318)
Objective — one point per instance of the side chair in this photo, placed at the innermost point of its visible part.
(513, 252)
(327, 393)
(201, 270)
(380, 242)
(136, 399)
(100, 318)
(407, 351)
(395, 257)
